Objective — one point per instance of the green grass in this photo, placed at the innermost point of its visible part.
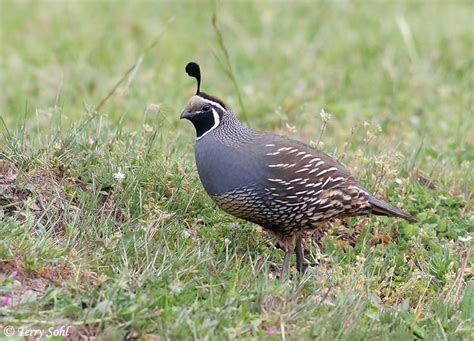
(151, 256)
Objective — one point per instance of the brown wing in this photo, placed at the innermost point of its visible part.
(297, 167)
(312, 181)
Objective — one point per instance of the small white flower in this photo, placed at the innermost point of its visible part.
(147, 128)
(119, 175)
(291, 129)
(325, 116)
(465, 239)
(185, 234)
(153, 108)
(226, 241)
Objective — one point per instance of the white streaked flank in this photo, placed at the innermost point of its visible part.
(326, 182)
(319, 163)
(326, 171)
(302, 170)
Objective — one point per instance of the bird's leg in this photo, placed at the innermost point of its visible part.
(285, 271)
(300, 261)
(288, 243)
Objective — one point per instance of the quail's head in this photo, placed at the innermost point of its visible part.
(203, 110)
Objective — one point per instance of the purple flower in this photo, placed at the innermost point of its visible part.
(14, 273)
(5, 300)
(270, 330)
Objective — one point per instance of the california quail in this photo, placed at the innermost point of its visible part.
(283, 185)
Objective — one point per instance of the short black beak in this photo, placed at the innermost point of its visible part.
(186, 115)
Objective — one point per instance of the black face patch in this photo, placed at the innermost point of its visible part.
(205, 121)
(205, 113)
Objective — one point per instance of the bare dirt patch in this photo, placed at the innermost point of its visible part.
(28, 282)
(39, 195)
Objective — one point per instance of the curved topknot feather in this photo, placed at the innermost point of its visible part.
(193, 70)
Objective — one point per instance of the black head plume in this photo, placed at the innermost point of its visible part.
(193, 70)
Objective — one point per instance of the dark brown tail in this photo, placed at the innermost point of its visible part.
(380, 207)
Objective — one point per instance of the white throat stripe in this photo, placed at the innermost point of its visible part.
(216, 123)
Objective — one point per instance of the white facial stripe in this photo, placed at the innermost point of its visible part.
(208, 101)
(216, 123)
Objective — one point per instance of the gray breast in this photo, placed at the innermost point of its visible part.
(224, 168)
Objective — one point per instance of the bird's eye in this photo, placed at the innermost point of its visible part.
(206, 108)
